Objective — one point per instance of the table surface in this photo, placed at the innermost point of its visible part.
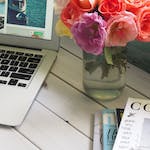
(61, 117)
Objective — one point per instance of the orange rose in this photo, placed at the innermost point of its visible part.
(111, 7)
(70, 14)
(85, 5)
(143, 21)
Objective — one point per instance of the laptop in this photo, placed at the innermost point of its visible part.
(28, 49)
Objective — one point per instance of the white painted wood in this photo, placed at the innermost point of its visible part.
(139, 79)
(70, 104)
(69, 68)
(71, 46)
(12, 140)
(50, 132)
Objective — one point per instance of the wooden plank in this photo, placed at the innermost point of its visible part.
(139, 80)
(10, 139)
(69, 68)
(71, 46)
(72, 73)
(50, 132)
(70, 104)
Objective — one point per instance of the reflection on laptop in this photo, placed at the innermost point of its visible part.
(28, 48)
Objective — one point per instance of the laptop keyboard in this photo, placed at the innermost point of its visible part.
(18, 68)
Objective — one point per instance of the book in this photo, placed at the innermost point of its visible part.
(119, 114)
(97, 135)
(134, 129)
(109, 128)
(98, 127)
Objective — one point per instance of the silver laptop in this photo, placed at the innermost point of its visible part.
(28, 48)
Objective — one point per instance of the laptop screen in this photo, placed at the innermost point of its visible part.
(27, 21)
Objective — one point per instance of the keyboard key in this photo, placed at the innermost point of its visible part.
(12, 82)
(28, 54)
(5, 74)
(13, 69)
(22, 58)
(2, 51)
(14, 63)
(33, 66)
(5, 62)
(3, 67)
(38, 56)
(22, 84)
(3, 82)
(34, 60)
(19, 53)
(10, 52)
(23, 64)
(20, 76)
(25, 70)
(4, 55)
(13, 57)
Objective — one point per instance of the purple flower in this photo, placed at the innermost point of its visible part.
(89, 33)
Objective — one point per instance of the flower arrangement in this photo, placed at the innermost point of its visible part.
(98, 26)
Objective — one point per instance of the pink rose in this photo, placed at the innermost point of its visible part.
(59, 5)
(89, 33)
(121, 29)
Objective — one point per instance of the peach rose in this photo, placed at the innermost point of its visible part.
(143, 21)
(121, 29)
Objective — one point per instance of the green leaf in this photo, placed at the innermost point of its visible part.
(91, 66)
(108, 55)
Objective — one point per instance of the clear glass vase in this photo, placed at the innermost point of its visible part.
(101, 80)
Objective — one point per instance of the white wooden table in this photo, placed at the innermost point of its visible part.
(61, 117)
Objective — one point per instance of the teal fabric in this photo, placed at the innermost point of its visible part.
(139, 54)
(2, 10)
